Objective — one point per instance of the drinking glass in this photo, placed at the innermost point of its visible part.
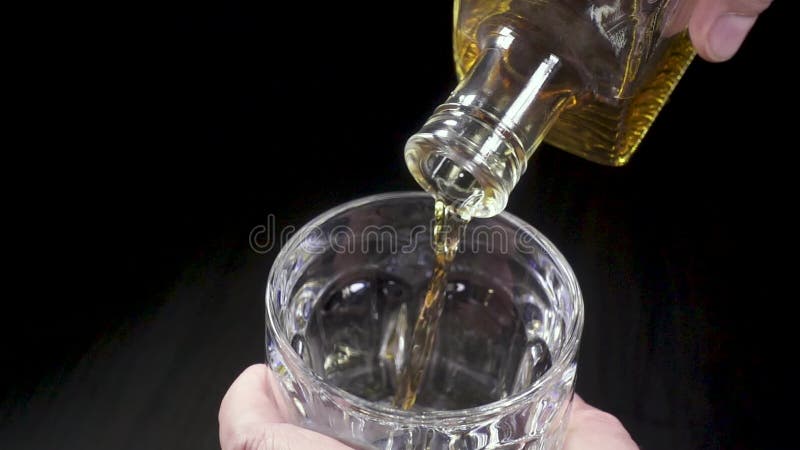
(342, 299)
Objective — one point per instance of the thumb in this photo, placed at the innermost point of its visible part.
(718, 27)
(590, 428)
(279, 436)
(249, 418)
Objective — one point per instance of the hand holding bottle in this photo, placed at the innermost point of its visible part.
(586, 76)
(718, 27)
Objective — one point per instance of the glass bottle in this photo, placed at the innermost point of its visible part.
(587, 76)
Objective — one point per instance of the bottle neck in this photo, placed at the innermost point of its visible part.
(473, 149)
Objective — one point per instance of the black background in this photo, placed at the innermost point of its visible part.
(172, 130)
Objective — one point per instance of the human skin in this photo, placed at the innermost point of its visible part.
(718, 27)
(249, 419)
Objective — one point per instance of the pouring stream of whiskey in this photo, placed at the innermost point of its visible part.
(448, 228)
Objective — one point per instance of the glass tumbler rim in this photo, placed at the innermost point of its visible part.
(376, 411)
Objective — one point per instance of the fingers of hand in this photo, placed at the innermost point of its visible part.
(718, 27)
(281, 436)
(250, 418)
(247, 406)
(590, 428)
